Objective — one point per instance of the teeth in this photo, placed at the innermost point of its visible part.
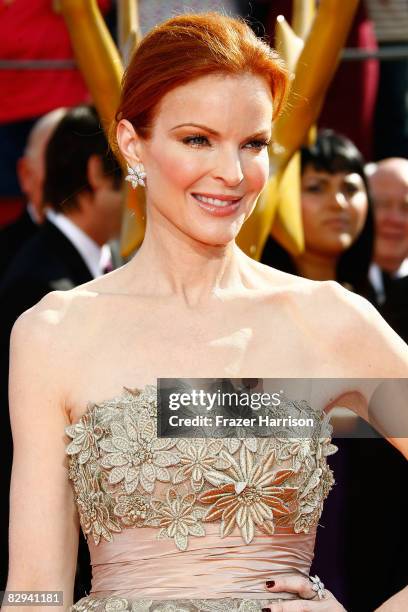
(213, 201)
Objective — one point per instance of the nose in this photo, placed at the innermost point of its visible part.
(339, 199)
(228, 168)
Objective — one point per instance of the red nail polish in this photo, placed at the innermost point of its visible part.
(265, 610)
(270, 583)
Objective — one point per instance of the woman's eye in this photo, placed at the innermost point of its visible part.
(313, 189)
(196, 141)
(350, 189)
(258, 144)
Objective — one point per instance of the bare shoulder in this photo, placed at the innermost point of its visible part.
(43, 356)
(41, 321)
(347, 327)
(358, 333)
(47, 328)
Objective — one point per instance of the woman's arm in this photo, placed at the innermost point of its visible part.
(396, 603)
(370, 350)
(43, 520)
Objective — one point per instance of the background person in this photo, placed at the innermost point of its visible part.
(389, 270)
(82, 189)
(337, 216)
(30, 172)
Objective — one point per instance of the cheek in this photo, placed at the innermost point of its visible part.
(170, 166)
(312, 207)
(256, 172)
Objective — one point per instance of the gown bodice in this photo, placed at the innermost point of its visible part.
(178, 518)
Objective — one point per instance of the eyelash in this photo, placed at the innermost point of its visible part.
(350, 189)
(188, 140)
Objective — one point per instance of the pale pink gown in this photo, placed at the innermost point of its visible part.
(192, 524)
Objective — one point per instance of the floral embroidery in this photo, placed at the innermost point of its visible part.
(197, 458)
(85, 437)
(124, 476)
(247, 496)
(178, 518)
(136, 455)
(93, 511)
(132, 509)
(173, 608)
(120, 604)
(233, 444)
(298, 450)
(116, 605)
(310, 499)
(141, 605)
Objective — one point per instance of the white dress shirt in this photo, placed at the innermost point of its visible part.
(31, 213)
(95, 257)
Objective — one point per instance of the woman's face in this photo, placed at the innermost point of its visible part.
(334, 210)
(206, 160)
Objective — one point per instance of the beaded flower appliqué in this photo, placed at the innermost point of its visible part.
(124, 476)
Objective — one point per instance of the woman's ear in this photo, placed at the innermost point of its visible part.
(129, 142)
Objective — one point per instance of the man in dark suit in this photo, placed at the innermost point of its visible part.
(389, 271)
(82, 191)
(30, 173)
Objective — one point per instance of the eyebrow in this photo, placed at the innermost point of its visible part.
(214, 132)
(321, 176)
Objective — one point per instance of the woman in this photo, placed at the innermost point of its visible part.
(186, 526)
(337, 216)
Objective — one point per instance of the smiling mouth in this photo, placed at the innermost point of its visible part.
(220, 201)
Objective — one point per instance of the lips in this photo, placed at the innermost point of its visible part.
(391, 236)
(339, 223)
(216, 199)
(219, 206)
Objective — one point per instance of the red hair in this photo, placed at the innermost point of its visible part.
(188, 47)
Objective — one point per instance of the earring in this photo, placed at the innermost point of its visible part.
(136, 175)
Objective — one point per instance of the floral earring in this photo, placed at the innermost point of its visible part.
(136, 175)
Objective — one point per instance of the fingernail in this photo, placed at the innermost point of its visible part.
(270, 583)
(265, 610)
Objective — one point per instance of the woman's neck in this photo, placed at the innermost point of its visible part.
(170, 263)
(316, 266)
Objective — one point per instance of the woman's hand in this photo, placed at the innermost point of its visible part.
(304, 588)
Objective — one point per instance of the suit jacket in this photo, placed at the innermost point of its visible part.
(13, 237)
(395, 307)
(47, 262)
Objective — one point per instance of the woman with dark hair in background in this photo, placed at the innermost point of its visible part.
(337, 216)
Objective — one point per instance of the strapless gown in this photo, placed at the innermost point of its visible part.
(192, 524)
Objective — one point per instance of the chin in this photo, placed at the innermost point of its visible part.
(215, 234)
(340, 243)
(214, 239)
